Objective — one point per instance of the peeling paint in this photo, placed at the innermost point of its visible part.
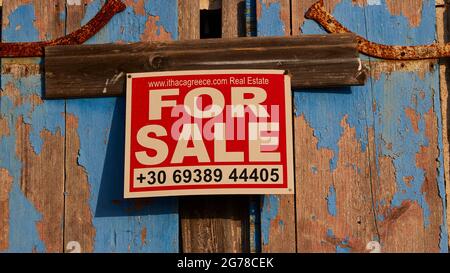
(411, 9)
(79, 225)
(6, 181)
(270, 207)
(331, 201)
(270, 20)
(155, 31)
(42, 183)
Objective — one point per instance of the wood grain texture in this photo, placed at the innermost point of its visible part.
(278, 212)
(97, 216)
(216, 224)
(393, 123)
(33, 150)
(189, 19)
(233, 18)
(443, 33)
(95, 71)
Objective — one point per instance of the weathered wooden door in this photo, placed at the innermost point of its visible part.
(369, 160)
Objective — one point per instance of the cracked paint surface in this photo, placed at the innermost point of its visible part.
(98, 124)
(32, 164)
(32, 151)
(375, 150)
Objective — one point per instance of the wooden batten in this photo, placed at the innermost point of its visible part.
(99, 70)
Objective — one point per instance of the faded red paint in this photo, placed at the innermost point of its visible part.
(6, 181)
(152, 29)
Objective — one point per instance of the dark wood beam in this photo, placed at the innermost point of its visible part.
(314, 61)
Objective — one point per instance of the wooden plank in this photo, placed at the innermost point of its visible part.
(385, 151)
(278, 212)
(97, 217)
(443, 33)
(333, 158)
(408, 134)
(100, 70)
(189, 19)
(216, 224)
(233, 18)
(32, 145)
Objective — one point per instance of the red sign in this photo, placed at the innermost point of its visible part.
(208, 132)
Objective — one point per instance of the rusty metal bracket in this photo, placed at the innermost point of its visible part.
(318, 13)
(36, 49)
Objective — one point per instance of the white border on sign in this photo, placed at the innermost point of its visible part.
(234, 191)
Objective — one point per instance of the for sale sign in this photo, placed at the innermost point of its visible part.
(208, 132)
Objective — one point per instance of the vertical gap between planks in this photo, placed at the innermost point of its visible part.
(443, 34)
(371, 152)
(213, 223)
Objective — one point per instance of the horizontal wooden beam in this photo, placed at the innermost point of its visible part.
(314, 61)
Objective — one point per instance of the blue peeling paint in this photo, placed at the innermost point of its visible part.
(167, 16)
(118, 222)
(335, 104)
(393, 97)
(269, 21)
(20, 27)
(397, 30)
(270, 208)
(331, 201)
(129, 26)
(47, 116)
(23, 236)
(341, 247)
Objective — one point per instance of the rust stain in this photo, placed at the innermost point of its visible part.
(20, 69)
(318, 13)
(36, 49)
(411, 9)
(6, 182)
(4, 127)
(414, 117)
(303, 5)
(78, 215)
(386, 67)
(42, 181)
(143, 236)
(153, 32)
